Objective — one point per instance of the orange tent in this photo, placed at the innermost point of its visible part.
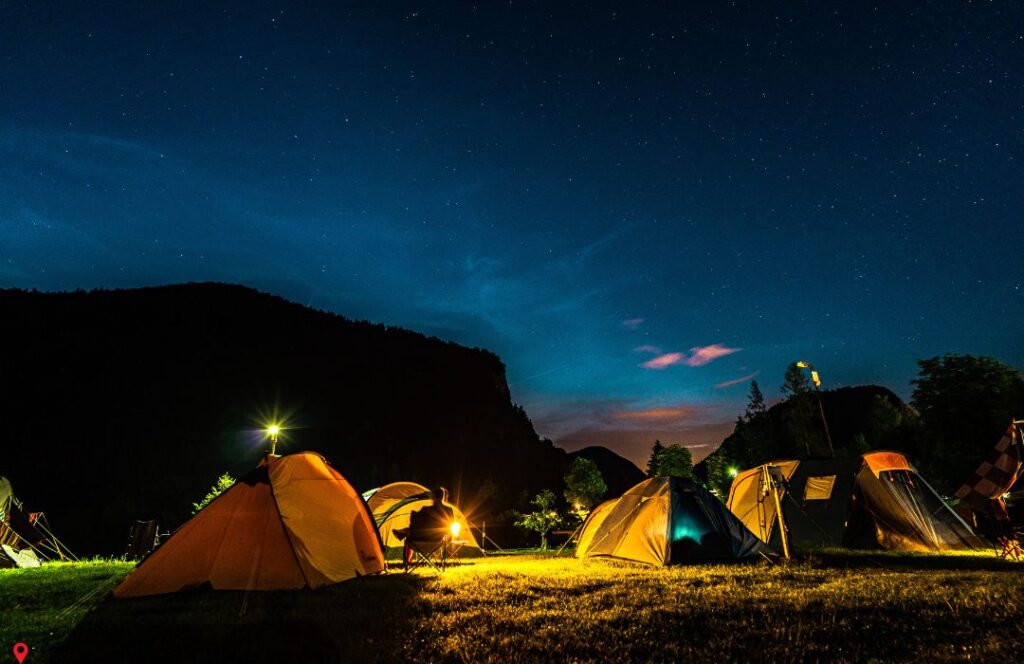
(293, 522)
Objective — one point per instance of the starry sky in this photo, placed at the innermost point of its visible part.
(640, 206)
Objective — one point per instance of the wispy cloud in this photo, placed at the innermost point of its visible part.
(661, 414)
(647, 349)
(664, 361)
(632, 323)
(736, 381)
(699, 356)
(706, 354)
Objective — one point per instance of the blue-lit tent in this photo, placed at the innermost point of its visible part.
(664, 521)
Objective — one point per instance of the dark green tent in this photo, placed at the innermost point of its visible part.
(875, 501)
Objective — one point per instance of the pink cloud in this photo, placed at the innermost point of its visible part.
(702, 355)
(659, 414)
(736, 381)
(632, 323)
(647, 349)
(662, 361)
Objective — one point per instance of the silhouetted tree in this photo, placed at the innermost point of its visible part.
(717, 467)
(652, 463)
(675, 461)
(795, 381)
(965, 403)
(755, 402)
(584, 485)
(543, 519)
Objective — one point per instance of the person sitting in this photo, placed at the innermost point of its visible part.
(429, 527)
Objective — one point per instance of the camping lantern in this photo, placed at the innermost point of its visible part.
(455, 528)
(273, 431)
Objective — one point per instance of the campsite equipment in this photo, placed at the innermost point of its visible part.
(877, 500)
(816, 380)
(392, 506)
(980, 501)
(292, 522)
(663, 521)
(25, 536)
(143, 537)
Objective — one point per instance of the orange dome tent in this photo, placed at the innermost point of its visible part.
(293, 522)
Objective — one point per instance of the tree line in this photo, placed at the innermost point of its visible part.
(959, 408)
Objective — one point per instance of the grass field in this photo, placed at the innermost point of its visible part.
(831, 606)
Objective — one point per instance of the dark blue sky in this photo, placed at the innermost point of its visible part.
(711, 189)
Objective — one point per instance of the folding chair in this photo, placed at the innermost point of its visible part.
(1010, 544)
(434, 554)
(142, 538)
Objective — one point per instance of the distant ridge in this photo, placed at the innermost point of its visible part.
(125, 404)
(620, 474)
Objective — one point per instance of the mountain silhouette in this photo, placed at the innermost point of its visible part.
(620, 474)
(860, 418)
(128, 404)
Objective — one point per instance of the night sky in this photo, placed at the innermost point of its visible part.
(639, 207)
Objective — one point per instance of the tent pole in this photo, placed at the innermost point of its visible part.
(571, 537)
(783, 531)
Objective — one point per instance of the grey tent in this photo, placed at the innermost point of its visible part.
(24, 536)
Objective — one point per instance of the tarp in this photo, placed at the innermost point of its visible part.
(666, 520)
(293, 522)
(983, 492)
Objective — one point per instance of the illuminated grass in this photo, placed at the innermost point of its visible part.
(41, 606)
(831, 606)
(812, 610)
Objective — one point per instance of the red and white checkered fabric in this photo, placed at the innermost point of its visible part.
(997, 473)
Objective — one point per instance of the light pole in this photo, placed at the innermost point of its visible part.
(817, 392)
(274, 430)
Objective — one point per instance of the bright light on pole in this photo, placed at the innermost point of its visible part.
(817, 393)
(273, 431)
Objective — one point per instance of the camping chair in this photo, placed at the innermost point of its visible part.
(142, 538)
(1008, 542)
(1011, 547)
(437, 554)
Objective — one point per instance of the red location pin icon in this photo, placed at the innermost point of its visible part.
(20, 652)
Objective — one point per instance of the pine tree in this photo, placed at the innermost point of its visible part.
(654, 461)
(795, 381)
(755, 405)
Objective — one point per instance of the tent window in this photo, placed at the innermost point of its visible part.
(819, 488)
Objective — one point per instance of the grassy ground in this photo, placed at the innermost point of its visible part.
(831, 606)
(41, 606)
